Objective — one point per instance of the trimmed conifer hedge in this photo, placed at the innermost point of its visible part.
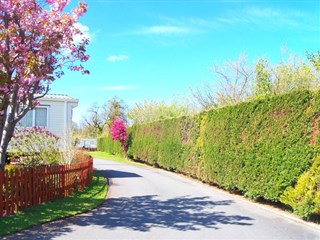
(106, 144)
(260, 148)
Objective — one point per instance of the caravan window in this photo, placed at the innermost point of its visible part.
(35, 117)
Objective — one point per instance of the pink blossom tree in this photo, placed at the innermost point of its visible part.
(119, 133)
(37, 42)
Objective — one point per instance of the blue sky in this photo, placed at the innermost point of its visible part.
(159, 49)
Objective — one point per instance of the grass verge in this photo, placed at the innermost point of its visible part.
(115, 158)
(89, 198)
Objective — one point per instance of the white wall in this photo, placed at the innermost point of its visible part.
(59, 116)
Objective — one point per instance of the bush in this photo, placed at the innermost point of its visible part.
(35, 146)
(304, 198)
(106, 144)
(81, 156)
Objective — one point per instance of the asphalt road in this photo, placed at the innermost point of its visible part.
(144, 203)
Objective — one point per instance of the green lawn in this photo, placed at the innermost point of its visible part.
(89, 198)
(108, 156)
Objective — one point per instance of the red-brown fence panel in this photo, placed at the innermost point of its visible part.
(26, 187)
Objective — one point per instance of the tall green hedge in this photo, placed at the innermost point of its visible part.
(264, 148)
(260, 148)
(106, 144)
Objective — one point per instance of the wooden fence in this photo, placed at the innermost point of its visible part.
(25, 187)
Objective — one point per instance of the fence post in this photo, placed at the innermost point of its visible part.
(16, 191)
(21, 193)
(25, 187)
(63, 182)
(6, 192)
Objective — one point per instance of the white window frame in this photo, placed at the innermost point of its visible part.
(34, 115)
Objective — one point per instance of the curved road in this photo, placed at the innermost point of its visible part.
(145, 203)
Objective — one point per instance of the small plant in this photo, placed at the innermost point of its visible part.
(35, 146)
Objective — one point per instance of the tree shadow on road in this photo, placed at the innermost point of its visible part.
(141, 213)
(120, 174)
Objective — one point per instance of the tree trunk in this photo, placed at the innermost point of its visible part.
(3, 157)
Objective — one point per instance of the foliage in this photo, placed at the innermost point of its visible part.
(115, 108)
(94, 122)
(106, 144)
(151, 111)
(314, 58)
(99, 118)
(233, 78)
(81, 156)
(240, 82)
(118, 132)
(293, 75)
(263, 85)
(304, 198)
(89, 198)
(259, 148)
(35, 146)
(37, 42)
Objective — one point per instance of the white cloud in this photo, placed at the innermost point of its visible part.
(263, 12)
(117, 58)
(270, 18)
(163, 29)
(116, 88)
(85, 33)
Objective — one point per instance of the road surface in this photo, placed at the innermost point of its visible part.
(146, 203)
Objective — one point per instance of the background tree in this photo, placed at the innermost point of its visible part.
(314, 59)
(115, 108)
(263, 85)
(36, 42)
(98, 118)
(287, 76)
(149, 111)
(95, 121)
(238, 81)
(232, 84)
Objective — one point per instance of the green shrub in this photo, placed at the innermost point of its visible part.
(304, 197)
(106, 144)
(35, 146)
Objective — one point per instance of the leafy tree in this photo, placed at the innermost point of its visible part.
(238, 81)
(115, 108)
(36, 43)
(263, 81)
(285, 77)
(314, 58)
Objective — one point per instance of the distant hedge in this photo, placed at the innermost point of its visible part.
(261, 148)
(105, 144)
